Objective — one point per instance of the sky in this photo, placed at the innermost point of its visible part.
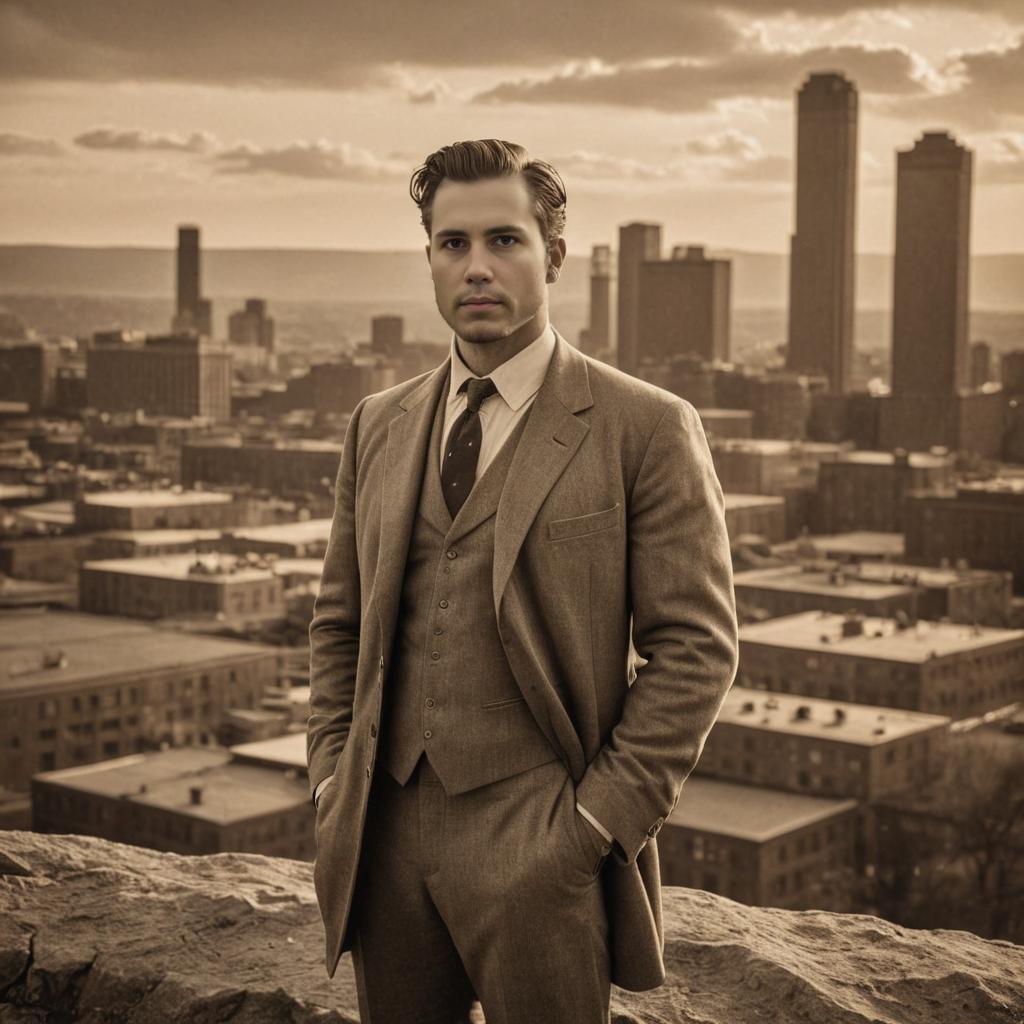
(298, 125)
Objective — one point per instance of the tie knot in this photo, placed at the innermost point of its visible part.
(477, 390)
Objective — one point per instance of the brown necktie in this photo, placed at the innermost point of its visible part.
(462, 452)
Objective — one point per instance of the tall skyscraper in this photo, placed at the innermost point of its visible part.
(637, 242)
(932, 258)
(595, 338)
(251, 327)
(193, 312)
(386, 335)
(683, 306)
(822, 253)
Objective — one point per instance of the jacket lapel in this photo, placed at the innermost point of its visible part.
(550, 439)
(405, 459)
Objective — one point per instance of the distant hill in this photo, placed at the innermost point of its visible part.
(759, 279)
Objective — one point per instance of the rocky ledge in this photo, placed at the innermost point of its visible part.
(104, 933)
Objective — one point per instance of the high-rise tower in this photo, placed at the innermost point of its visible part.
(931, 265)
(595, 338)
(822, 249)
(193, 312)
(637, 243)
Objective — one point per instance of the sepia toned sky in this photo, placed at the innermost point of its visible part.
(297, 125)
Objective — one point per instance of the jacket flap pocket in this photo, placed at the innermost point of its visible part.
(578, 526)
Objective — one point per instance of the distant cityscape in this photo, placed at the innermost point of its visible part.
(166, 503)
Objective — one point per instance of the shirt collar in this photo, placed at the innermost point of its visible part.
(517, 379)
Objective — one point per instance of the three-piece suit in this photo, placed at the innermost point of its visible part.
(475, 676)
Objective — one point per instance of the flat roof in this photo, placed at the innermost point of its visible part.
(219, 568)
(232, 792)
(776, 446)
(725, 414)
(97, 648)
(155, 499)
(288, 750)
(776, 713)
(916, 645)
(153, 538)
(749, 812)
(920, 460)
(288, 533)
(854, 542)
(734, 501)
(793, 579)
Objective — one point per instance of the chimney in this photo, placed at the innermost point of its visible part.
(196, 794)
(839, 717)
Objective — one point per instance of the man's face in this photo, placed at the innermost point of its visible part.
(486, 244)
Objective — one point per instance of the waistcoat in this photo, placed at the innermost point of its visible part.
(450, 692)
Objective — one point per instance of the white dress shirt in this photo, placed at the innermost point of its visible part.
(518, 380)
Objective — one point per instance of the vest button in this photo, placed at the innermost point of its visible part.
(427, 734)
(443, 604)
(451, 553)
(429, 702)
(438, 631)
(435, 655)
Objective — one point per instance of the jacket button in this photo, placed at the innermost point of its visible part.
(443, 604)
(429, 702)
(435, 655)
(451, 553)
(427, 734)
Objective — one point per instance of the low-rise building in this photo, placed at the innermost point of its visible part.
(158, 510)
(189, 585)
(761, 847)
(76, 688)
(942, 668)
(822, 747)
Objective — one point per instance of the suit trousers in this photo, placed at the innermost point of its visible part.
(492, 894)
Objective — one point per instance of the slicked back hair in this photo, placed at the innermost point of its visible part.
(492, 158)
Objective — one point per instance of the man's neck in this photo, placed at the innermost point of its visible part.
(484, 358)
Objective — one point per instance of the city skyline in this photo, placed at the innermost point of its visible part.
(290, 131)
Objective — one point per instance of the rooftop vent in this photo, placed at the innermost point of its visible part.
(839, 716)
(803, 713)
(195, 794)
(748, 706)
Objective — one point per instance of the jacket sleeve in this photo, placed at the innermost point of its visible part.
(684, 625)
(334, 629)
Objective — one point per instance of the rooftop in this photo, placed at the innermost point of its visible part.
(776, 446)
(881, 638)
(856, 542)
(749, 812)
(794, 579)
(155, 499)
(858, 723)
(154, 538)
(231, 792)
(738, 501)
(288, 751)
(919, 460)
(57, 651)
(198, 568)
(287, 533)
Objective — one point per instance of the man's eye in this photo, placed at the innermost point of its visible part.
(507, 238)
(448, 241)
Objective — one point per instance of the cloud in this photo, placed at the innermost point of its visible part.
(319, 159)
(17, 144)
(327, 44)
(730, 156)
(134, 140)
(690, 86)
(983, 87)
(999, 159)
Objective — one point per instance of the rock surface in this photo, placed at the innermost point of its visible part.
(102, 932)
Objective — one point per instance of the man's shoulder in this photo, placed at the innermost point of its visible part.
(630, 400)
(383, 405)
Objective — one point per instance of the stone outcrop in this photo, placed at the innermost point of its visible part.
(101, 932)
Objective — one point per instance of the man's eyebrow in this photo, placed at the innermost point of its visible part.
(505, 229)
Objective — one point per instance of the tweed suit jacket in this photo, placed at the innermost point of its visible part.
(610, 543)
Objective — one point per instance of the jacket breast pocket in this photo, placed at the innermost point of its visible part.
(581, 526)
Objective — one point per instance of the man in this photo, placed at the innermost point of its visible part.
(490, 770)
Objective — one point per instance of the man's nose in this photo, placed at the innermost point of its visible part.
(478, 267)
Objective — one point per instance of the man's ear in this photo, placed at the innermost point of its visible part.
(556, 257)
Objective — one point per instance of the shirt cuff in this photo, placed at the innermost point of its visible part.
(593, 821)
(320, 788)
